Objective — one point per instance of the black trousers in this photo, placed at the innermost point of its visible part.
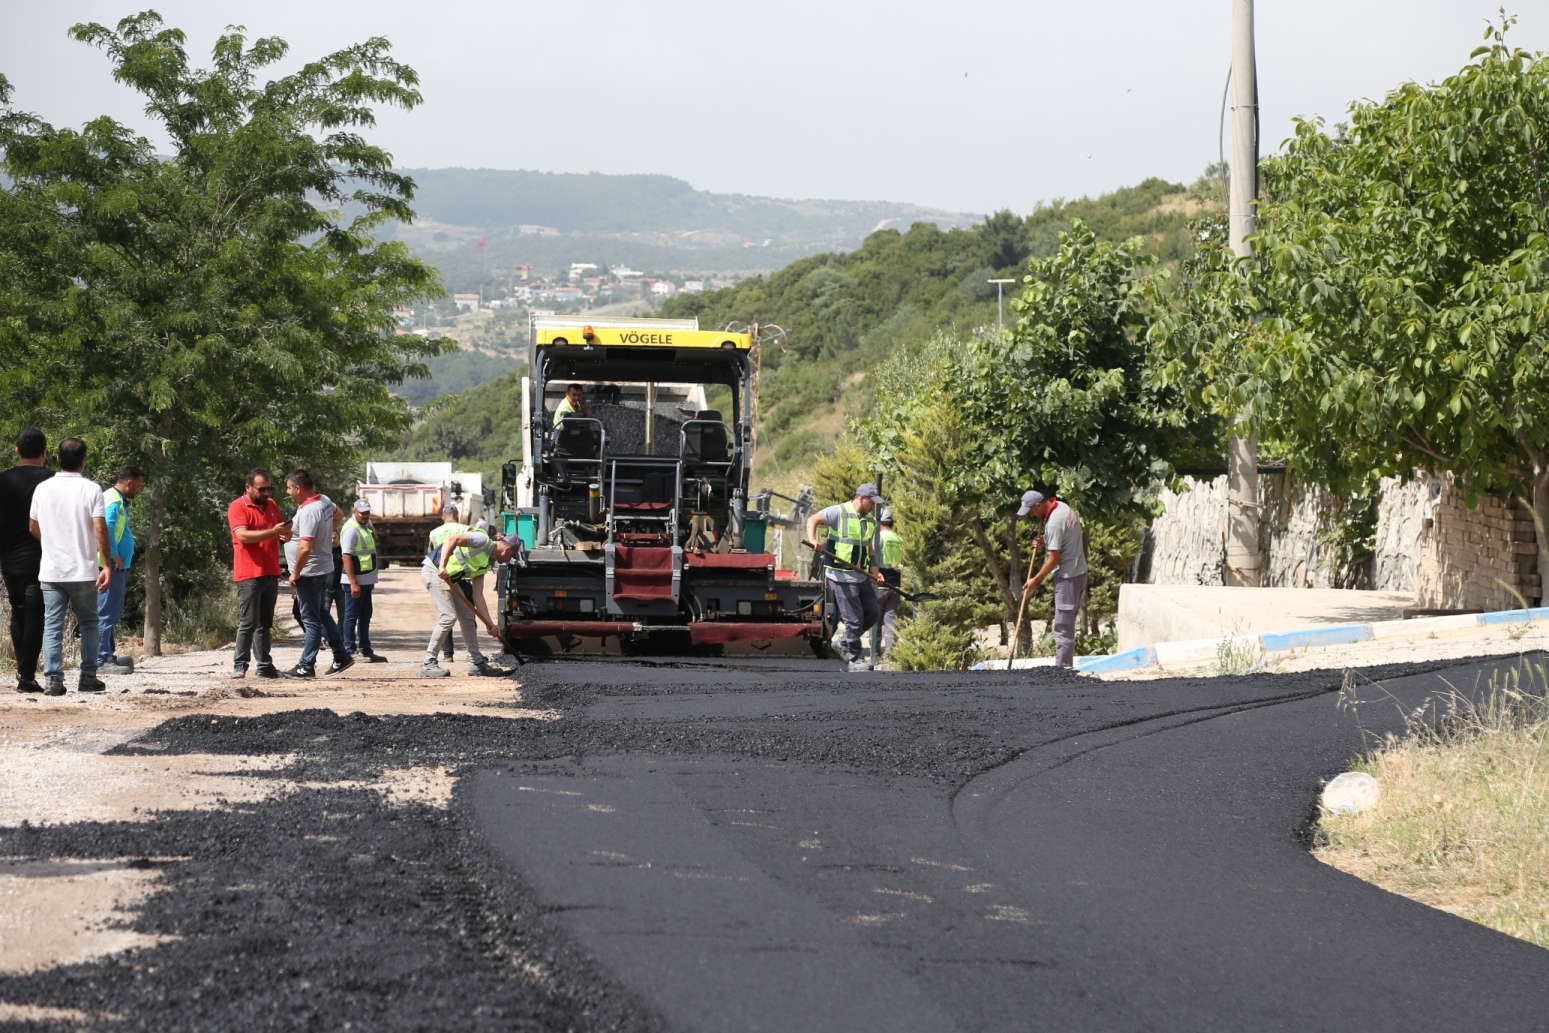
(26, 595)
(255, 624)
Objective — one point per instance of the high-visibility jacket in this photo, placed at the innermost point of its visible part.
(437, 537)
(120, 529)
(365, 557)
(892, 549)
(852, 538)
(563, 409)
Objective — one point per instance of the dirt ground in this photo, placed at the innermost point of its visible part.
(56, 766)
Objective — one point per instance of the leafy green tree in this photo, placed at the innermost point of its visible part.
(211, 309)
(1396, 315)
(1065, 401)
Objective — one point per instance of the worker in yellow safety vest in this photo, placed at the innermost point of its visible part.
(892, 569)
(456, 560)
(852, 536)
(110, 604)
(357, 549)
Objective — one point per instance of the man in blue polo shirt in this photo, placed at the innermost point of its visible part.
(110, 604)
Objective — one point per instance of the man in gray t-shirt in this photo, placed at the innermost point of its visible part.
(1063, 537)
(311, 573)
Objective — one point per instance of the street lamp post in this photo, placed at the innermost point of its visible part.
(1000, 303)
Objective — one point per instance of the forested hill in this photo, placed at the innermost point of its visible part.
(597, 203)
(845, 313)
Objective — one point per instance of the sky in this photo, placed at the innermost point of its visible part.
(970, 107)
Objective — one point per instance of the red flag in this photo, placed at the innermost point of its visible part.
(480, 243)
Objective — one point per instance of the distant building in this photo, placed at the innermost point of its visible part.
(693, 286)
(666, 288)
(626, 274)
(523, 270)
(466, 302)
(579, 269)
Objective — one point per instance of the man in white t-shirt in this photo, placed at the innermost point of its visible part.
(69, 518)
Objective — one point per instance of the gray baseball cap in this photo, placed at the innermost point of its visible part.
(1029, 500)
(449, 507)
(869, 491)
(362, 506)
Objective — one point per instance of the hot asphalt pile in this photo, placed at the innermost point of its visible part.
(824, 805)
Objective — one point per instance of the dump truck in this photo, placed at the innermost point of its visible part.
(406, 500)
(637, 532)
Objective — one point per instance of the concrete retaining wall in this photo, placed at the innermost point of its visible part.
(1428, 542)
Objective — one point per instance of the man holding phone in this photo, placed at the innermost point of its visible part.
(257, 529)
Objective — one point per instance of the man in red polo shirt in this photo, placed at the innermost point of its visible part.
(257, 529)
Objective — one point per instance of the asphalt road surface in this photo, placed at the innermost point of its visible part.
(709, 847)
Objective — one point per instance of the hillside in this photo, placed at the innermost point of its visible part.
(655, 223)
(845, 313)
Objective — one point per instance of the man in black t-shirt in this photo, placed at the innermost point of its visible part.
(20, 554)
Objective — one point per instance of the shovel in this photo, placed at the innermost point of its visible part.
(913, 597)
(465, 604)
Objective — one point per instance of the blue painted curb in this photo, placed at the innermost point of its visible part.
(1142, 656)
(1511, 616)
(1337, 635)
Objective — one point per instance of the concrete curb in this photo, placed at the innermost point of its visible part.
(1276, 641)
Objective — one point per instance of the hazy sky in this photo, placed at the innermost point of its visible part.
(966, 106)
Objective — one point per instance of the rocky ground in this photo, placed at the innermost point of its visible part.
(383, 852)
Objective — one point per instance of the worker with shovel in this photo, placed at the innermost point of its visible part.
(453, 573)
(853, 576)
(1066, 560)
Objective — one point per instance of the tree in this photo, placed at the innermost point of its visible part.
(211, 309)
(1394, 318)
(1066, 401)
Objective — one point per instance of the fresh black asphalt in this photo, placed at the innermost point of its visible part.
(723, 847)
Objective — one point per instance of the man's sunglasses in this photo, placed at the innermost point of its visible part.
(264, 491)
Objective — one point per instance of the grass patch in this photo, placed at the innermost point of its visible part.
(1463, 821)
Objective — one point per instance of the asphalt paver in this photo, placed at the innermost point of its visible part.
(750, 847)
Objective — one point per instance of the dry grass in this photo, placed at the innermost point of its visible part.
(1463, 822)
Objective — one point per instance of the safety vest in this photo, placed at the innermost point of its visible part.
(365, 558)
(120, 525)
(852, 538)
(440, 535)
(465, 564)
(564, 408)
(892, 549)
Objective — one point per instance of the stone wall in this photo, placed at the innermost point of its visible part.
(1428, 542)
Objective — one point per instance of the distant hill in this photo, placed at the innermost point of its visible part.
(652, 223)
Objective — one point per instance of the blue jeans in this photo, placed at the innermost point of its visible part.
(357, 621)
(312, 592)
(110, 607)
(80, 596)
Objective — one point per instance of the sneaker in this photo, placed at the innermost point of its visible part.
(300, 672)
(30, 685)
(114, 668)
(485, 669)
(239, 670)
(56, 687)
(373, 658)
(267, 671)
(125, 661)
(431, 669)
(90, 683)
(342, 664)
(859, 665)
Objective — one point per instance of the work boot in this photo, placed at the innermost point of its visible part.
(90, 683)
(28, 685)
(485, 669)
(373, 658)
(342, 664)
(267, 671)
(56, 687)
(114, 667)
(239, 670)
(300, 672)
(431, 669)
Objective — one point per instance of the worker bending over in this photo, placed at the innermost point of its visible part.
(1067, 560)
(453, 573)
(892, 570)
(852, 533)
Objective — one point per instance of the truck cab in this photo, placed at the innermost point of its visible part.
(633, 510)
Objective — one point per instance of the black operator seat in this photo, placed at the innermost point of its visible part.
(577, 438)
(706, 439)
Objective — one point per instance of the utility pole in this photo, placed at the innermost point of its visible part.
(1242, 461)
(1000, 303)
